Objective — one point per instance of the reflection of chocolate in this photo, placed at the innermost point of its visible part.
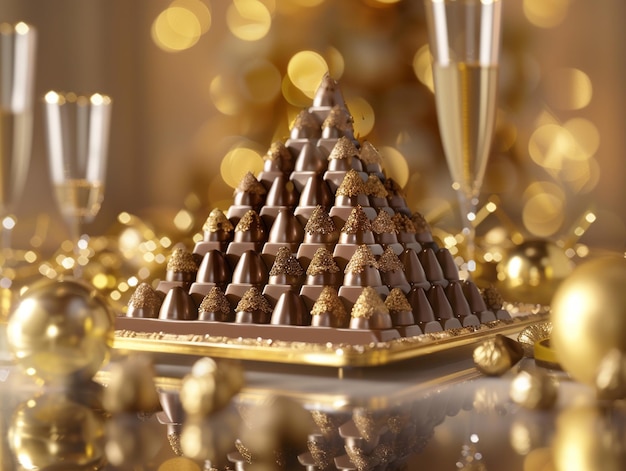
(144, 302)
(178, 305)
(215, 307)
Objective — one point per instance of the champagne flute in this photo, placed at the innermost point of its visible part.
(77, 140)
(464, 38)
(17, 77)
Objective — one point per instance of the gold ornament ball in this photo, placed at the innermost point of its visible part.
(532, 271)
(61, 328)
(588, 316)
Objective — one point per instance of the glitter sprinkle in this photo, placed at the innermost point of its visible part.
(249, 221)
(357, 222)
(343, 149)
(322, 262)
(374, 187)
(181, 261)
(397, 301)
(389, 261)
(361, 259)
(328, 301)
(215, 301)
(340, 119)
(252, 301)
(393, 187)
(368, 303)
(369, 154)
(420, 223)
(277, 152)
(493, 298)
(383, 223)
(286, 263)
(352, 185)
(217, 222)
(306, 121)
(403, 223)
(144, 297)
(250, 184)
(320, 222)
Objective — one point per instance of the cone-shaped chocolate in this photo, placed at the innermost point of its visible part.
(253, 308)
(351, 191)
(405, 231)
(423, 233)
(448, 266)
(459, 304)
(431, 266)
(144, 302)
(362, 269)
(357, 229)
(316, 192)
(377, 193)
(215, 307)
(441, 307)
(278, 159)
(218, 228)
(328, 310)
(286, 269)
(323, 269)
(310, 159)
(371, 159)
(282, 193)
(320, 228)
(305, 126)
(413, 269)
(399, 308)
(250, 192)
(250, 269)
(423, 311)
(181, 266)
(214, 269)
(369, 311)
(392, 271)
(286, 228)
(250, 228)
(290, 310)
(477, 302)
(178, 305)
(385, 232)
(328, 94)
(337, 124)
(344, 156)
(395, 196)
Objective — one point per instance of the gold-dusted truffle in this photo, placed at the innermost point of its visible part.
(343, 149)
(493, 298)
(497, 355)
(252, 301)
(361, 259)
(532, 334)
(403, 223)
(215, 301)
(181, 261)
(375, 188)
(389, 261)
(383, 223)
(370, 155)
(320, 222)
(305, 124)
(368, 303)
(286, 263)
(322, 262)
(217, 222)
(250, 184)
(420, 223)
(278, 152)
(329, 302)
(340, 119)
(249, 221)
(351, 185)
(397, 301)
(144, 297)
(534, 390)
(357, 222)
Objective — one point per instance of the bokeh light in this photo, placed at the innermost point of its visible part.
(395, 165)
(546, 13)
(237, 162)
(249, 20)
(225, 95)
(568, 89)
(260, 81)
(423, 68)
(363, 115)
(305, 70)
(176, 28)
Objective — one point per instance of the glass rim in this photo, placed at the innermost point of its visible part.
(53, 97)
(19, 27)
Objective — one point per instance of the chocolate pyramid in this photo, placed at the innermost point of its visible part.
(320, 226)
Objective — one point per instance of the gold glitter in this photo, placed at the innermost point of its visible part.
(250, 219)
(328, 301)
(181, 261)
(327, 423)
(174, 441)
(359, 458)
(393, 187)
(357, 222)
(383, 223)
(306, 121)
(252, 301)
(343, 149)
(217, 222)
(144, 297)
(492, 298)
(340, 119)
(497, 355)
(322, 262)
(397, 301)
(368, 303)
(286, 263)
(369, 154)
(322, 457)
(374, 187)
(215, 301)
(277, 152)
(361, 259)
(352, 184)
(243, 451)
(533, 334)
(250, 184)
(403, 223)
(319, 222)
(389, 261)
(420, 223)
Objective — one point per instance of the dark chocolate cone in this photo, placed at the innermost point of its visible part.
(423, 311)
(413, 269)
(290, 310)
(441, 307)
(178, 305)
(250, 269)
(214, 269)
(144, 302)
(448, 266)
(460, 306)
(431, 266)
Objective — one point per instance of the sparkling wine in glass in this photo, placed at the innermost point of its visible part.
(464, 38)
(77, 139)
(17, 77)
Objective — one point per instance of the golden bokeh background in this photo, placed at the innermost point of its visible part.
(201, 89)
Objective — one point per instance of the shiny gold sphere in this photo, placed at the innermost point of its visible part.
(61, 328)
(588, 317)
(53, 432)
(532, 271)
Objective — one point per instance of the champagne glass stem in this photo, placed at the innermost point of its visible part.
(468, 205)
(75, 226)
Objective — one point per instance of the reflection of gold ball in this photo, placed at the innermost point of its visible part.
(589, 316)
(61, 328)
(532, 271)
(53, 432)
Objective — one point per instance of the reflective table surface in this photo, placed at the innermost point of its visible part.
(435, 412)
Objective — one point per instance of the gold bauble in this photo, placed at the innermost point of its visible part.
(60, 329)
(532, 271)
(588, 316)
(53, 432)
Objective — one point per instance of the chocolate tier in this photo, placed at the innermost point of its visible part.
(320, 247)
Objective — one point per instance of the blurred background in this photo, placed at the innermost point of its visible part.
(201, 89)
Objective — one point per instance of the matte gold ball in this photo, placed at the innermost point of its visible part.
(588, 317)
(532, 271)
(61, 328)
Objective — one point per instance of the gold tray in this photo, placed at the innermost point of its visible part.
(326, 354)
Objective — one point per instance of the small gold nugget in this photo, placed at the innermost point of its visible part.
(535, 390)
(497, 355)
